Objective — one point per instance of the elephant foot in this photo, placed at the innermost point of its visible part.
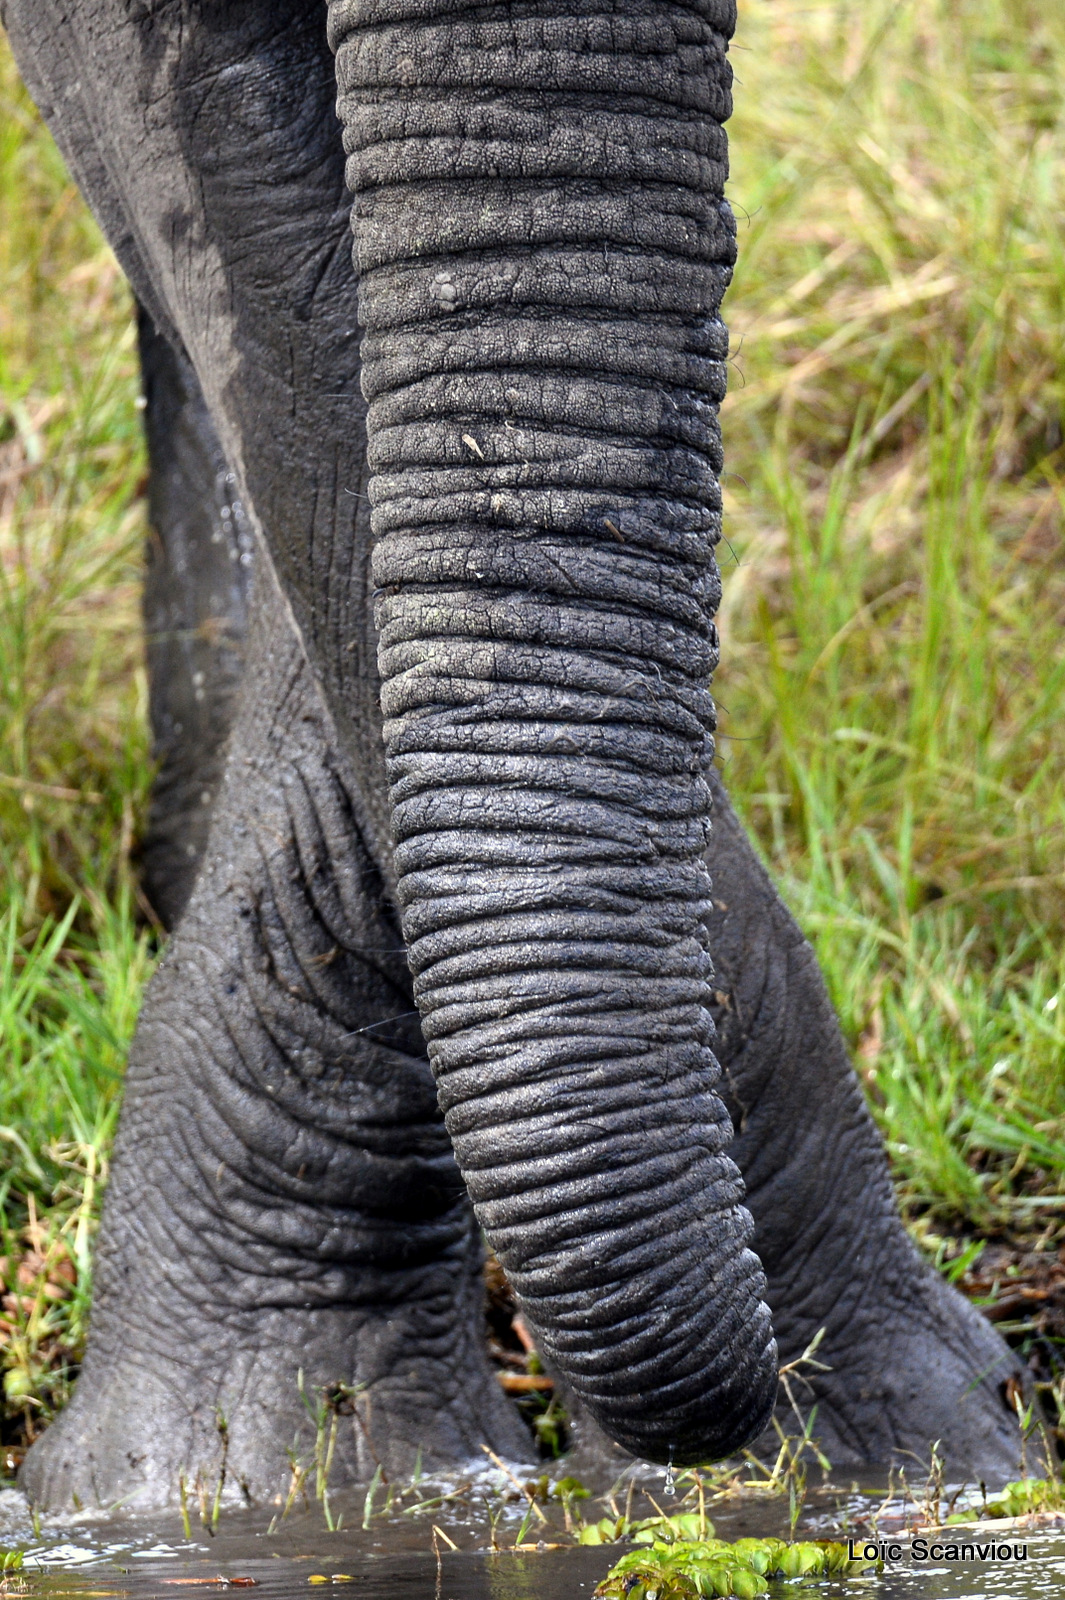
(284, 1209)
(911, 1362)
(885, 1388)
(249, 1412)
(906, 1370)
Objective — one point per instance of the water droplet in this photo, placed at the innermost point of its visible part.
(671, 1482)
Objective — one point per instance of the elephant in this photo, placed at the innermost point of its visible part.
(456, 953)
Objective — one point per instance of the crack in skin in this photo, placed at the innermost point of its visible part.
(469, 778)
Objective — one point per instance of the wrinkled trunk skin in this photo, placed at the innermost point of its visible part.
(542, 246)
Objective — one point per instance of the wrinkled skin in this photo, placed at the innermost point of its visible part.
(196, 583)
(460, 831)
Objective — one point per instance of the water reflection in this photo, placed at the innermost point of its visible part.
(91, 1556)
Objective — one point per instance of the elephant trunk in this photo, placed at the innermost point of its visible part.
(542, 246)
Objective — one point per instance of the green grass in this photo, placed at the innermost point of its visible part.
(73, 748)
(892, 663)
(893, 676)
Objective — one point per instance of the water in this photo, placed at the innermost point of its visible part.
(90, 1557)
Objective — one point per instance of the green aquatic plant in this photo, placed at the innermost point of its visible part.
(1021, 1498)
(695, 1486)
(10, 1560)
(686, 1526)
(685, 1569)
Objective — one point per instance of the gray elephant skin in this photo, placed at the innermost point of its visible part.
(456, 955)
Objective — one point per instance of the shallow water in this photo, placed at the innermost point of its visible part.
(90, 1557)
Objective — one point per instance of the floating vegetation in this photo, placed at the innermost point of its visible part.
(685, 1569)
(1024, 1498)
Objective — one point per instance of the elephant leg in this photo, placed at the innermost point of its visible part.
(284, 1208)
(197, 577)
(542, 812)
(206, 142)
(283, 1197)
(910, 1361)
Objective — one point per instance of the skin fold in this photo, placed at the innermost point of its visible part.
(450, 935)
(196, 581)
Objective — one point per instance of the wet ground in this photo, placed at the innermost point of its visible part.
(407, 1553)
